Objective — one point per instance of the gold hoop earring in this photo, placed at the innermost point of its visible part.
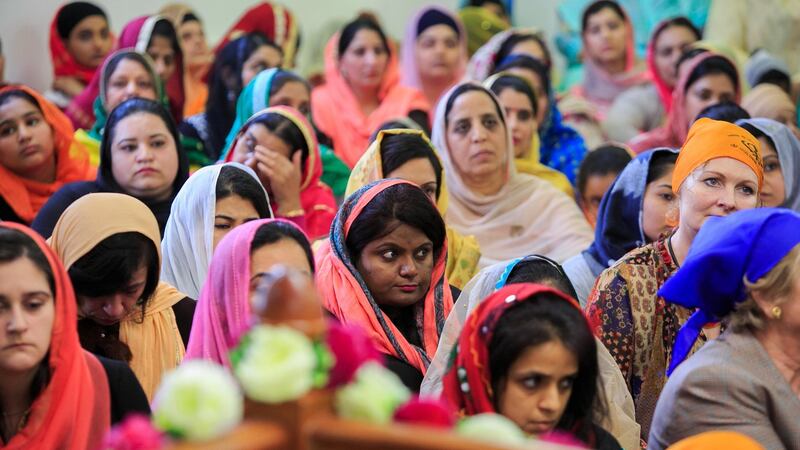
(776, 312)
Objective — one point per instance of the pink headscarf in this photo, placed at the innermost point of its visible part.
(664, 90)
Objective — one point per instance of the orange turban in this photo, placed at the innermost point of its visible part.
(710, 139)
(717, 440)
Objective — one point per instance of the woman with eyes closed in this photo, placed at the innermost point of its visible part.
(138, 157)
(383, 268)
(704, 79)
(215, 200)
(511, 214)
(718, 171)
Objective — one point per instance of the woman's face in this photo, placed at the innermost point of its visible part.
(129, 79)
(26, 139)
(476, 136)
(144, 157)
(773, 193)
(229, 213)
(294, 94)
(111, 309)
(437, 53)
(397, 267)
(364, 61)
(164, 57)
(286, 252)
(521, 120)
(262, 58)
(658, 199)
(668, 49)
(706, 91)
(89, 41)
(538, 88)
(27, 313)
(720, 187)
(420, 172)
(193, 42)
(258, 135)
(537, 388)
(596, 187)
(605, 37)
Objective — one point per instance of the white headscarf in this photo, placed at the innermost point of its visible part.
(188, 242)
(526, 216)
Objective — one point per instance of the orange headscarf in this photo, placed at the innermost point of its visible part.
(710, 139)
(25, 196)
(74, 410)
(717, 440)
(347, 297)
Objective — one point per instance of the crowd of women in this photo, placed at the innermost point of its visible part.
(609, 250)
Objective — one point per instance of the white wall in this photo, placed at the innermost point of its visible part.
(24, 24)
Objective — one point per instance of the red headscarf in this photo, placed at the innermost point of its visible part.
(64, 65)
(664, 90)
(274, 21)
(74, 410)
(25, 196)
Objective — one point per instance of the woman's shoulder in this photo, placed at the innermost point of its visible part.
(603, 440)
(127, 395)
(49, 214)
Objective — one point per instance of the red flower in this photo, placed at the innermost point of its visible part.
(136, 432)
(351, 348)
(426, 411)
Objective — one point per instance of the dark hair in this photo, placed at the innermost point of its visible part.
(660, 164)
(776, 77)
(598, 6)
(164, 28)
(71, 14)
(19, 93)
(713, 65)
(679, 21)
(604, 160)
(274, 231)
(757, 133)
(190, 17)
(286, 130)
(234, 181)
(543, 319)
(396, 205)
(527, 62)
(541, 270)
(469, 87)
(351, 29)
(493, 2)
(509, 44)
(117, 58)
(688, 54)
(727, 111)
(282, 77)
(398, 149)
(516, 84)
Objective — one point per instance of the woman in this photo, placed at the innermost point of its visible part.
(38, 154)
(704, 79)
(483, 20)
(642, 108)
(273, 21)
(632, 213)
(527, 352)
(362, 89)
(780, 150)
(510, 214)
(743, 269)
(718, 171)
(239, 263)
(597, 172)
(109, 244)
(54, 394)
(409, 155)
(214, 201)
(384, 269)
(279, 145)
(769, 101)
(520, 104)
(80, 39)
(434, 52)
(516, 41)
(139, 156)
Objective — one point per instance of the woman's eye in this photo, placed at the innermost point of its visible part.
(222, 226)
(159, 143)
(772, 166)
(712, 182)
(667, 197)
(524, 116)
(566, 384)
(389, 255)
(8, 130)
(128, 148)
(531, 382)
(490, 122)
(747, 190)
(461, 128)
(33, 121)
(422, 253)
(34, 305)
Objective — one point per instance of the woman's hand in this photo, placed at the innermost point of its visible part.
(281, 175)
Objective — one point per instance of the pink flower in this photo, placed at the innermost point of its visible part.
(351, 348)
(136, 432)
(426, 411)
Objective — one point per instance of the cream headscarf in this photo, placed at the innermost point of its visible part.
(155, 342)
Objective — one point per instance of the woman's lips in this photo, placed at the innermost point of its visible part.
(408, 287)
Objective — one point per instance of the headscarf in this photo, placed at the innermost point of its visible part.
(717, 440)
(316, 198)
(409, 70)
(74, 408)
(154, 340)
(484, 62)
(481, 24)
(761, 62)
(223, 312)
(527, 215)
(338, 114)
(26, 196)
(663, 89)
(770, 101)
(67, 17)
(188, 242)
(463, 252)
(673, 132)
(788, 148)
(620, 226)
(274, 21)
(347, 296)
(253, 98)
(746, 245)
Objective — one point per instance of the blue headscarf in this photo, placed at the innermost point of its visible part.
(748, 244)
(619, 220)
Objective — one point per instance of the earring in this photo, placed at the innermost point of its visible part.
(776, 312)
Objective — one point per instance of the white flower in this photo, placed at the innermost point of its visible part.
(373, 396)
(491, 427)
(199, 400)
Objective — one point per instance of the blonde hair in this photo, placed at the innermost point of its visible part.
(775, 285)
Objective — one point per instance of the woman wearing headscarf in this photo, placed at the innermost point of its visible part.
(434, 52)
(780, 150)
(28, 178)
(408, 154)
(275, 22)
(742, 269)
(482, 22)
(718, 171)
(516, 41)
(769, 101)
(362, 89)
(511, 214)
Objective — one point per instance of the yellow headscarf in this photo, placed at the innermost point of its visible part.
(463, 252)
(155, 341)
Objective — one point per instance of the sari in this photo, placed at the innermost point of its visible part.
(153, 338)
(274, 21)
